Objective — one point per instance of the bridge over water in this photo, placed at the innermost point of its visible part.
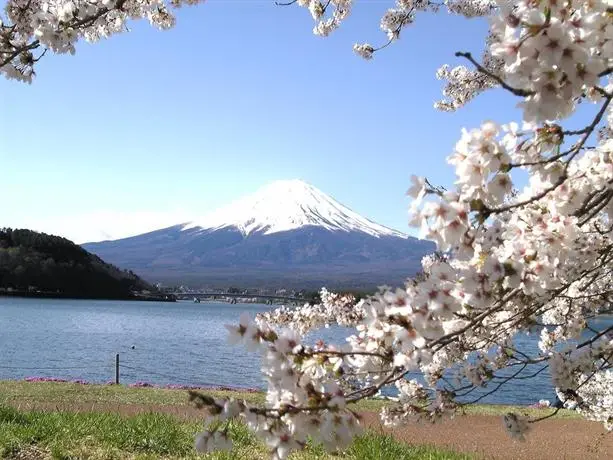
(183, 295)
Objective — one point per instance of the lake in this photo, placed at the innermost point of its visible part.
(174, 343)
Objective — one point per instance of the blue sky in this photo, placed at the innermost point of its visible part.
(150, 128)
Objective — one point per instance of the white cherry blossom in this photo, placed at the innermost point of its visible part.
(524, 234)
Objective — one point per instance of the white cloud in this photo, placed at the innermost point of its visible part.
(104, 225)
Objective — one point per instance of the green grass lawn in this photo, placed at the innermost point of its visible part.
(95, 435)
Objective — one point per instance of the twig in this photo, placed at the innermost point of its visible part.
(545, 417)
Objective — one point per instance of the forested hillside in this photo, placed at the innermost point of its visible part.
(36, 262)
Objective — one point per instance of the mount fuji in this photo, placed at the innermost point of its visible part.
(286, 234)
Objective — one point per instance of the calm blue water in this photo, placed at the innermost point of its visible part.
(174, 343)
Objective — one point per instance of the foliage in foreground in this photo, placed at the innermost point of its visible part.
(65, 435)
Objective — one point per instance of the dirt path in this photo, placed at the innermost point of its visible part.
(483, 435)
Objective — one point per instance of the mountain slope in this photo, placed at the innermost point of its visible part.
(31, 260)
(286, 234)
(287, 205)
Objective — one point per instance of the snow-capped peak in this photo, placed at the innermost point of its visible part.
(286, 205)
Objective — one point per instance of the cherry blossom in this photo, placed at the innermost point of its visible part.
(524, 234)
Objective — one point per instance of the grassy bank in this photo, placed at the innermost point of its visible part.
(44, 420)
(65, 435)
(29, 394)
(40, 420)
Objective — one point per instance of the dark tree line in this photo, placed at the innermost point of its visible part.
(33, 261)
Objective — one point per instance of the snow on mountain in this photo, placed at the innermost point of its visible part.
(288, 205)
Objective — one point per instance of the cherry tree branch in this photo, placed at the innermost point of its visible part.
(500, 81)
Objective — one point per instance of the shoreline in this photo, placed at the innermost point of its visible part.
(143, 298)
(169, 386)
(58, 295)
(214, 388)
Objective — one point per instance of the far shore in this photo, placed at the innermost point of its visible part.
(60, 295)
(247, 300)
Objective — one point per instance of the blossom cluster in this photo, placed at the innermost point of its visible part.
(304, 399)
(514, 255)
(341, 309)
(328, 15)
(553, 54)
(583, 380)
(32, 27)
